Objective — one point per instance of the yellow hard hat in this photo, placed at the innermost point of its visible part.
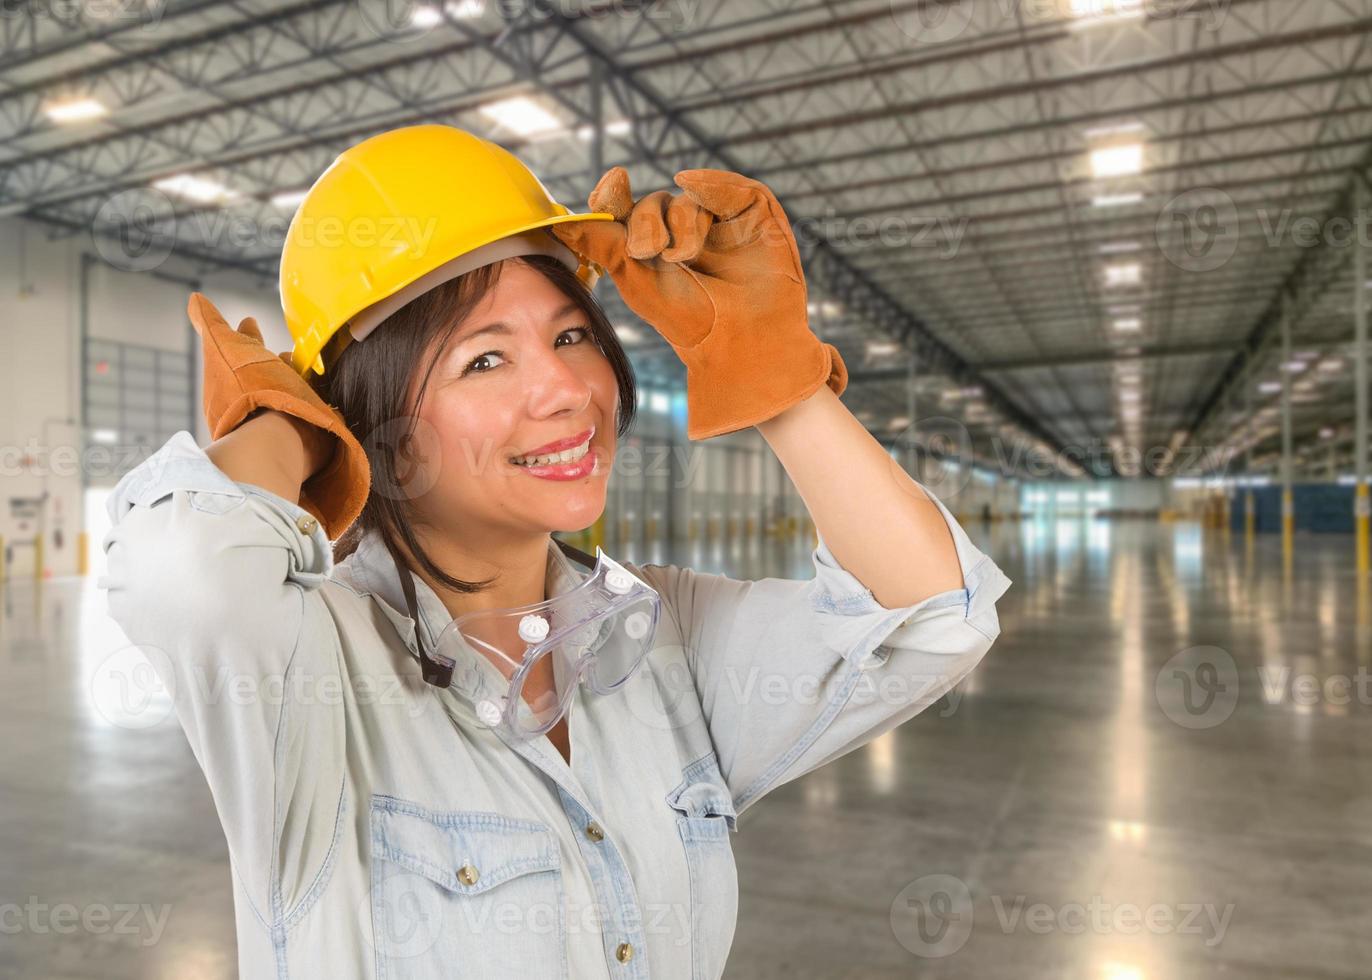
(395, 216)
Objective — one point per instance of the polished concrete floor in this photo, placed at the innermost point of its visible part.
(1162, 770)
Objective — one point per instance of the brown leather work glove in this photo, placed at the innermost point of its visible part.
(242, 375)
(716, 271)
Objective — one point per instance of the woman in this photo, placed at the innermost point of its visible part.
(386, 814)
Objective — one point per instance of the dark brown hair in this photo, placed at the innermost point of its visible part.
(371, 381)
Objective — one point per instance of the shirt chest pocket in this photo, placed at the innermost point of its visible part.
(464, 893)
(705, 815)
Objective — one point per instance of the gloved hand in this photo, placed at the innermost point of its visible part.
(242, 375)
(716, 271)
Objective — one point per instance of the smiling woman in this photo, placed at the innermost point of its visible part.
(492, 753)
(441, 400)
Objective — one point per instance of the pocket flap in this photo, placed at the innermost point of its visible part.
(702, 792)
(438, 845)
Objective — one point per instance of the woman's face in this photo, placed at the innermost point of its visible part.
(520, 372)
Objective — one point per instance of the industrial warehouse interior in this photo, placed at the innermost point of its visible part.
(1092, 273)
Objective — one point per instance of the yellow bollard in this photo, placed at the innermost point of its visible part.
(1288, 523)
(1360, 515)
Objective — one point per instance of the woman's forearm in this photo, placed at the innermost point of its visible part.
(876, 520)
(274, 451)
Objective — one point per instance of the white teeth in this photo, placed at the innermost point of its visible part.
(566, 456)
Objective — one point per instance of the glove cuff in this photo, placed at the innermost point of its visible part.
(715, 409)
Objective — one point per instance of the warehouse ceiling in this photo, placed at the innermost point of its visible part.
(1082, 221)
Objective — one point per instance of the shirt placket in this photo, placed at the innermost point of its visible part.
(622, 928)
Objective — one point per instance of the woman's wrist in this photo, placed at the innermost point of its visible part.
(315, 446)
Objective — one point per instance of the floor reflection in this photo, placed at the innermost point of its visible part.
(1071, 813)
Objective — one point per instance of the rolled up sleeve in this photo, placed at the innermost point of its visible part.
(793, 674)
(217, 584)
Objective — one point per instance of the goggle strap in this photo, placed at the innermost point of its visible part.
(435, 673)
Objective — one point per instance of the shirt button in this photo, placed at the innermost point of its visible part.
(306, 524)
(594, 832)
(467, 874)
(624, 952)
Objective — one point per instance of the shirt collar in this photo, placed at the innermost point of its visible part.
(371, 569)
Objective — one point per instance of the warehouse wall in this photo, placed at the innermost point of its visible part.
(41, 305)
(725, 489)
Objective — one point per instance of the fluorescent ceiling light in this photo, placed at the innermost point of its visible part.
(615, 127)
(1129, 324)
(627, 334)
(521, 115)
(1270, 387)
(106, 437)
(200, 189)
(1129, 396)
(1117, 161)
(1294, 367)
(1126, 310)
(1119, 248)
(1090, 13)
(1330, 365)
(1326, 433)
(1116, 200)
(1127, 274)
(1119, 129)
(75, 110)
(289, 199)
(426, 16)
(883, 348)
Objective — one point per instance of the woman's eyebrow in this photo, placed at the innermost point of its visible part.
(501, 327)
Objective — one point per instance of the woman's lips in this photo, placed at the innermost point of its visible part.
(577, 469)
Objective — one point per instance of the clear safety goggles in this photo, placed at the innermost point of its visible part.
(596, 633)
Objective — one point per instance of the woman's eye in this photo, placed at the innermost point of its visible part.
(480, 358)
(482, 362)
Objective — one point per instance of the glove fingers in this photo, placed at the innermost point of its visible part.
(204, 316)
(611, 193)
(723, 193)
(248, 328)
(688, 224)
(648, 226)
(601, 242)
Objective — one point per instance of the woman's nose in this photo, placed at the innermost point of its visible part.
(557, 385)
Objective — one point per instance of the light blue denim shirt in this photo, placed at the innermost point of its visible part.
(378, 828)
